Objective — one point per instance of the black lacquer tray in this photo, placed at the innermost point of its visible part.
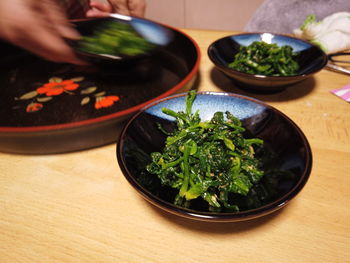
(49, 108)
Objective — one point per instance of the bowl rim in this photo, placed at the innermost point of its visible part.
(262, 77)
(215, 216)
(123, 113)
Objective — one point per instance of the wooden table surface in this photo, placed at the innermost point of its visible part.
(78, 207)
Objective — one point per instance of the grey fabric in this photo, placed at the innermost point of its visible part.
(282, 16)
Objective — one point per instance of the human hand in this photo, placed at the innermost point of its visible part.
(38, 26)
(124, 7)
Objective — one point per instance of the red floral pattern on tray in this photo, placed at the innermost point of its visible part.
(57, 86)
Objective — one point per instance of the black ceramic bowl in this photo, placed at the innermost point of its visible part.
(222, 52)
(153, 33)
(281, 136)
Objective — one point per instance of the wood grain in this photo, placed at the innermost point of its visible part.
(77, 207)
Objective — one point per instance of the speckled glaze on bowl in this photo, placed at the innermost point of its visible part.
(141, 136)
(311, 60)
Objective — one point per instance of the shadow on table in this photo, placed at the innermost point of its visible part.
(290, 93)
(220, 227)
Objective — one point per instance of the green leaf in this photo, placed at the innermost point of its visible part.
(308, 20)
(44, 99)
(193, 148)
(78, 79)
(88, 90)
(184, 187)
(28, 95)
(189, 101)
(211, 199)
(240, 185)
(85, 101)
(100, 94)
(229, 144)
(194, 191)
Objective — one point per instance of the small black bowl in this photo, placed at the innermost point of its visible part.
(222, 52)
(152, 32)
(281, 136)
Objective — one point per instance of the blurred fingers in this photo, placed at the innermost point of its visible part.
(58, 20)
(48, 28)
(137, 7)
(124, 7)
(120, 7)
(98, 9)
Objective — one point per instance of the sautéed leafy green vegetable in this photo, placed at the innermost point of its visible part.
(266, 59)
(115, 39)
(208, 160)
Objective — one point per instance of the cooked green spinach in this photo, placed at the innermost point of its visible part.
(112, 38)
(207, 160)
(266, 59)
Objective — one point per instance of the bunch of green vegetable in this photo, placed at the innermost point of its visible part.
(115, 39)
(208, 160)
(266, 59)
